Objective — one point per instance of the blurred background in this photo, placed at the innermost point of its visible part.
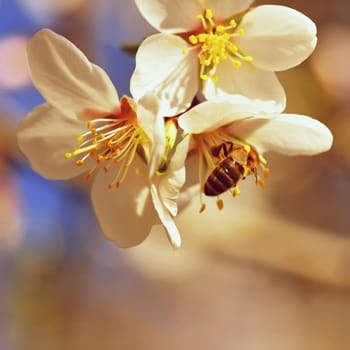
(270, 271)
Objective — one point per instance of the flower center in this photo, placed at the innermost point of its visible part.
(216, 44)
(223, 162)
(110, 141)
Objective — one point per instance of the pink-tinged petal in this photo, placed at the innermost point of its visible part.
(45, 136)
(209, 116)
(166, 218)
(288, 134)
(277, 37)
(223, 9)
(246, 83)
(170, 16)
(65, 77)
(126, 214)
(165, 71)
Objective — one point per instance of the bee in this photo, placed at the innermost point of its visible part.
(235, 162)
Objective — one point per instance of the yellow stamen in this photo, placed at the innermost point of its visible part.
(216, 43)
(208, 14)
(112, 140)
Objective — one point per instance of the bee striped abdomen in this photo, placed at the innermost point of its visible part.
(224, 176)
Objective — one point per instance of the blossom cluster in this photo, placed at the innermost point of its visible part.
(204, 95)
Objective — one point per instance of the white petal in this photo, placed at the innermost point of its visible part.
(173, 179)
(162, 69)
(209, 116)
(172, 16)
(153, 125)
(277, 37)
(66, 78)
(288, 134)
(125, 214)
(165, 218)
(223, 9)
(45, 135)
(246, 83)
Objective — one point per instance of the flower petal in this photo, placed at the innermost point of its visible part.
(209, 116)
(173, 179)
(288, 134)
(277, 37)
(126, 214)
(223, 9)
(44, 136)
(65, 77)
(171, 16)
(153, 126)
(162, 69)
(244, 84)
(165, 218)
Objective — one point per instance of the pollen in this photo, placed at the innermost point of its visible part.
(216, 43)
(109, 143)
(220, 204)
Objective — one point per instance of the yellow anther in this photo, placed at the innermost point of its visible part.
(261, 183)
(233, 23)
(214, 78)
(199, 17)
(79, 162)
(93, 131)
(220, 29)
(248, 58)
(232, 47)
(247, 148)
(208, 14)
(262, 159)
(236, 192)
(202, 37)
(80, 138)
(204, 77)
(193, 39)
(241, 32)
(266, 172)
(220, 204)
(236, 63)
(68, 155)
(89, 124)
(184, 51)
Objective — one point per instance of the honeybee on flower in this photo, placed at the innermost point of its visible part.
(230, 139)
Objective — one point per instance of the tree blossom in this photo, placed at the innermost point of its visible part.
(85, 128)
(230, 140)
(222, 48)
